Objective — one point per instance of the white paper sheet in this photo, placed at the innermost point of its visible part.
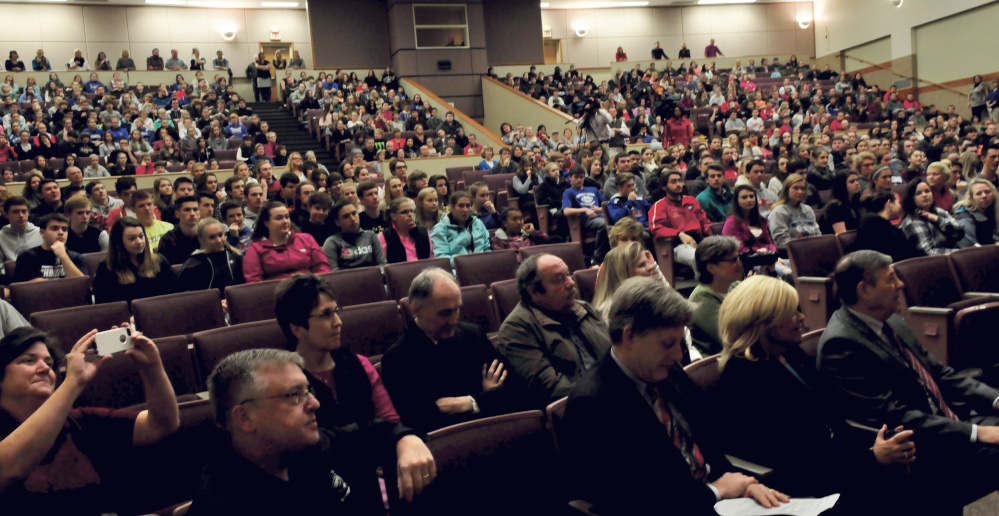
(796, 507)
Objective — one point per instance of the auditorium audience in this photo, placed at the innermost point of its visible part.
(351, 247)
(460, 231)
(52, 259)
(930, 229)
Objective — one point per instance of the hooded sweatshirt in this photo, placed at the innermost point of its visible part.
(12, 242)
(219, 270)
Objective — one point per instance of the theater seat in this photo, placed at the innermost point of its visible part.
(976, 268)
(505, 297)
(211, 346)
(845, 241)
(958, 332)
(226, 155)
(555, 412)
(38, 296)
(398, 276)
(813, 260)
(370, 329)
(570, 253)
(179, 314)
(476, 460)
(704, 373)
(251, 301)
(357, 286)
(485, 268)
(67, 325)
(93, 262)
(119, 385)
(586, 282)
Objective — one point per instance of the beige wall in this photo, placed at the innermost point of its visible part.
(760, 29)
(964, 54)
(484, 135)
(59, 29)
(877, 51)
(502, 104)
(434, 166)
(843, 24)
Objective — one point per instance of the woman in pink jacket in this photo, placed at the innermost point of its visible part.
(277, 251)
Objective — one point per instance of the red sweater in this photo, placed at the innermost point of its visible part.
(668, 218)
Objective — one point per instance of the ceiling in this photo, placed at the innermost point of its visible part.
(224, 4)
(596, 4)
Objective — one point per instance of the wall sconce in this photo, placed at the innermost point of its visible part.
(581, 29)
(804, 21)
(228, 33)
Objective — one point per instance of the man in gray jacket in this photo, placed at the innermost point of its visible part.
(19, 234)
(551, 338)
(352, 247)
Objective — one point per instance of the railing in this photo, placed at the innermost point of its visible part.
(916, 80)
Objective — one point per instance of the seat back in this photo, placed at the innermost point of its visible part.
(810, 342)
(497, 182)
(398, 276)
(119, 385)
(251, 301)
(183, 313)
(476, 459)
(505, 297)
(370, 329)
(476, 308)
(716, 228)
(93, 262)
(357, 286)
(485, 268)
(975, 268)
(226, 155)
(67, 325)
(570, 253)
(473, 176)
(38, 296)
(845, 241)
(555, 412)
(813, 256)
(704, 373)
(211, 346)
(586, 282)
(929, 281)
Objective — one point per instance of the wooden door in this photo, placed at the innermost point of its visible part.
(553, 51)
(269, 49)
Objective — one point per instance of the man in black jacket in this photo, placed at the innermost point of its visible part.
(443, 371)
(278, 461)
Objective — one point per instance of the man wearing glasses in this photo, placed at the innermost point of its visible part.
(278, 452)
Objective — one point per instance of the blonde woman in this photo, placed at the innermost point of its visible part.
(623, 262)
(428, 213)
(790, 217)
(762, 360)
(978, 213)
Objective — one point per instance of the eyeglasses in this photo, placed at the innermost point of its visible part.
(733, 259)
(328, 314)
(295, 398)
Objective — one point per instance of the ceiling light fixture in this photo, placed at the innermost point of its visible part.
(721, 2)
(279, 4)
(167, 2)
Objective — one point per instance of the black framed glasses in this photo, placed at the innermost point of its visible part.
(328, 314)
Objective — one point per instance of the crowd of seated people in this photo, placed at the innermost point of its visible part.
(760, 186)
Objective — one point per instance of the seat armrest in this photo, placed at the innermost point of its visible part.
(583, 507)
(932, 327)
(930, 310)
(749, 468)
(542, 214)
(664, 257)
(970, 295)
(861, 426)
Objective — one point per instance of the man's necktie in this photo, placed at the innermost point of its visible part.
(681, 438)
(928, 382)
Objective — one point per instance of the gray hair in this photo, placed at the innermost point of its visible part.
(527, 277)
(645, 304)
(235, 378)
(856, 267)
(711, 250)
(422, 286)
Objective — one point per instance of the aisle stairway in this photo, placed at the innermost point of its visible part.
(290, 131)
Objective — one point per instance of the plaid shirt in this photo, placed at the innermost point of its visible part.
(154, 63)
(933, 238)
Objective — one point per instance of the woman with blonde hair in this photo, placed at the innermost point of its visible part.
(978, 213)
(427, 212)
(623, 262)
(626, 230)
(762, 360)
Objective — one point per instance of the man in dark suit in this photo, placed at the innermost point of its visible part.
(881, 374)
(632, 433)
(442, 371)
